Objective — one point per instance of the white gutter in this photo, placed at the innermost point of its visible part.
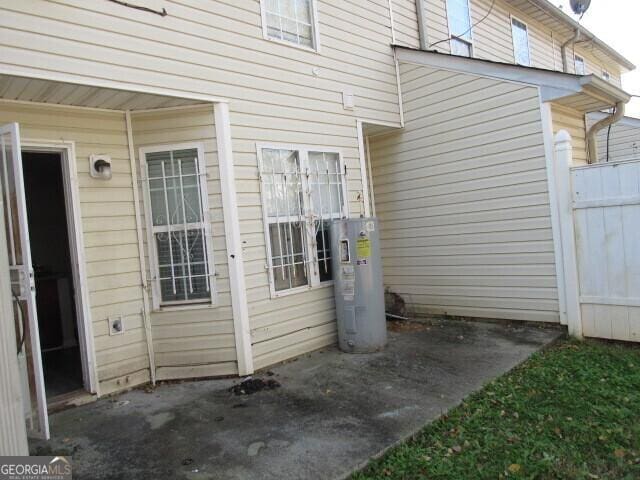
(592, 143)
(143, 268)
(561, 16)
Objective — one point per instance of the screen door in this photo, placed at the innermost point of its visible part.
(22, 282)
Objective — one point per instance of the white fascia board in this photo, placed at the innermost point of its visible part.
(605, 87)
(500, 71)
(553, 85)
(564, 19)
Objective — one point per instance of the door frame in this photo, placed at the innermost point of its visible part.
(67, 152)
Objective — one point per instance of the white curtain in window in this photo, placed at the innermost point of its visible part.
(520, 42)
(459, 19)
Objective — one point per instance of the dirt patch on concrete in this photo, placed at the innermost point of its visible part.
(253, 385)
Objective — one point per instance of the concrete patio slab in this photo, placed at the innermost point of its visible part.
(332, 413)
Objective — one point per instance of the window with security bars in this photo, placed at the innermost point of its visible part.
(290, 21)
(303, 190)
(179, 239)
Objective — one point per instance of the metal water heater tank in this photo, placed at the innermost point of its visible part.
(359, 291)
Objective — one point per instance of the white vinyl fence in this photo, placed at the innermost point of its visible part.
(604, 212)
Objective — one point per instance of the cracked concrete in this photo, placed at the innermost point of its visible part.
(333, 412)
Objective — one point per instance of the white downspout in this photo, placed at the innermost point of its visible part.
(143, 268)
(391, 20)
(563, 50)
(592, 143)
(422, 24)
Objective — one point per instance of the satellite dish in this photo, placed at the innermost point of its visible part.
(579, 6)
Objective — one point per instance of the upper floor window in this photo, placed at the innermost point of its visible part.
(180, 249)
(579, 64)
(459, 27)
(291, 21)
(303, 190)
(520, 42)
(606, 76)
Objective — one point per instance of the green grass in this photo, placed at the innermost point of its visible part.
(569, 412)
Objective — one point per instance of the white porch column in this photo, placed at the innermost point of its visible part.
(235, 262)
(562, 165)
(13, 433)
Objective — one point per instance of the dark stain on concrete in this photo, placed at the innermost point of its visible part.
(332, 413)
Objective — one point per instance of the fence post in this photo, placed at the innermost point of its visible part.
(563, 154)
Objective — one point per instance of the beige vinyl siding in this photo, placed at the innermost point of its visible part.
(573, 122)
(405, 23)
(211, 47)
(437, 25)
(277, 93)
(593, 64)
(492, 38)
(462, 197)
(287, 326)
(624, 140)
(108, 222)
(194, 341)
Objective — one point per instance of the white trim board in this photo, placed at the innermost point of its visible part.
(235, 255)
(547, 134)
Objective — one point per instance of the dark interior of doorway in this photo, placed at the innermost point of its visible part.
(51, 258)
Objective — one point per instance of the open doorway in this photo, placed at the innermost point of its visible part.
(53, 273)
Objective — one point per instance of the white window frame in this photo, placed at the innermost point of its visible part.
(158, 304)
(315, 34)
(313, 276)
(575, 64)
(606, 76)
(452, 37)
(513, 40)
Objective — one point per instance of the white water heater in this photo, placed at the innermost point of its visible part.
(359, 291)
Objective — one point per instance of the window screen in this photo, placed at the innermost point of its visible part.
(459, 27)
(302, 191)
(176, 189)
(520, 42)
(290, 20)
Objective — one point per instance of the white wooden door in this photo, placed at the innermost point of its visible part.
(22, 281)
(606, 204)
